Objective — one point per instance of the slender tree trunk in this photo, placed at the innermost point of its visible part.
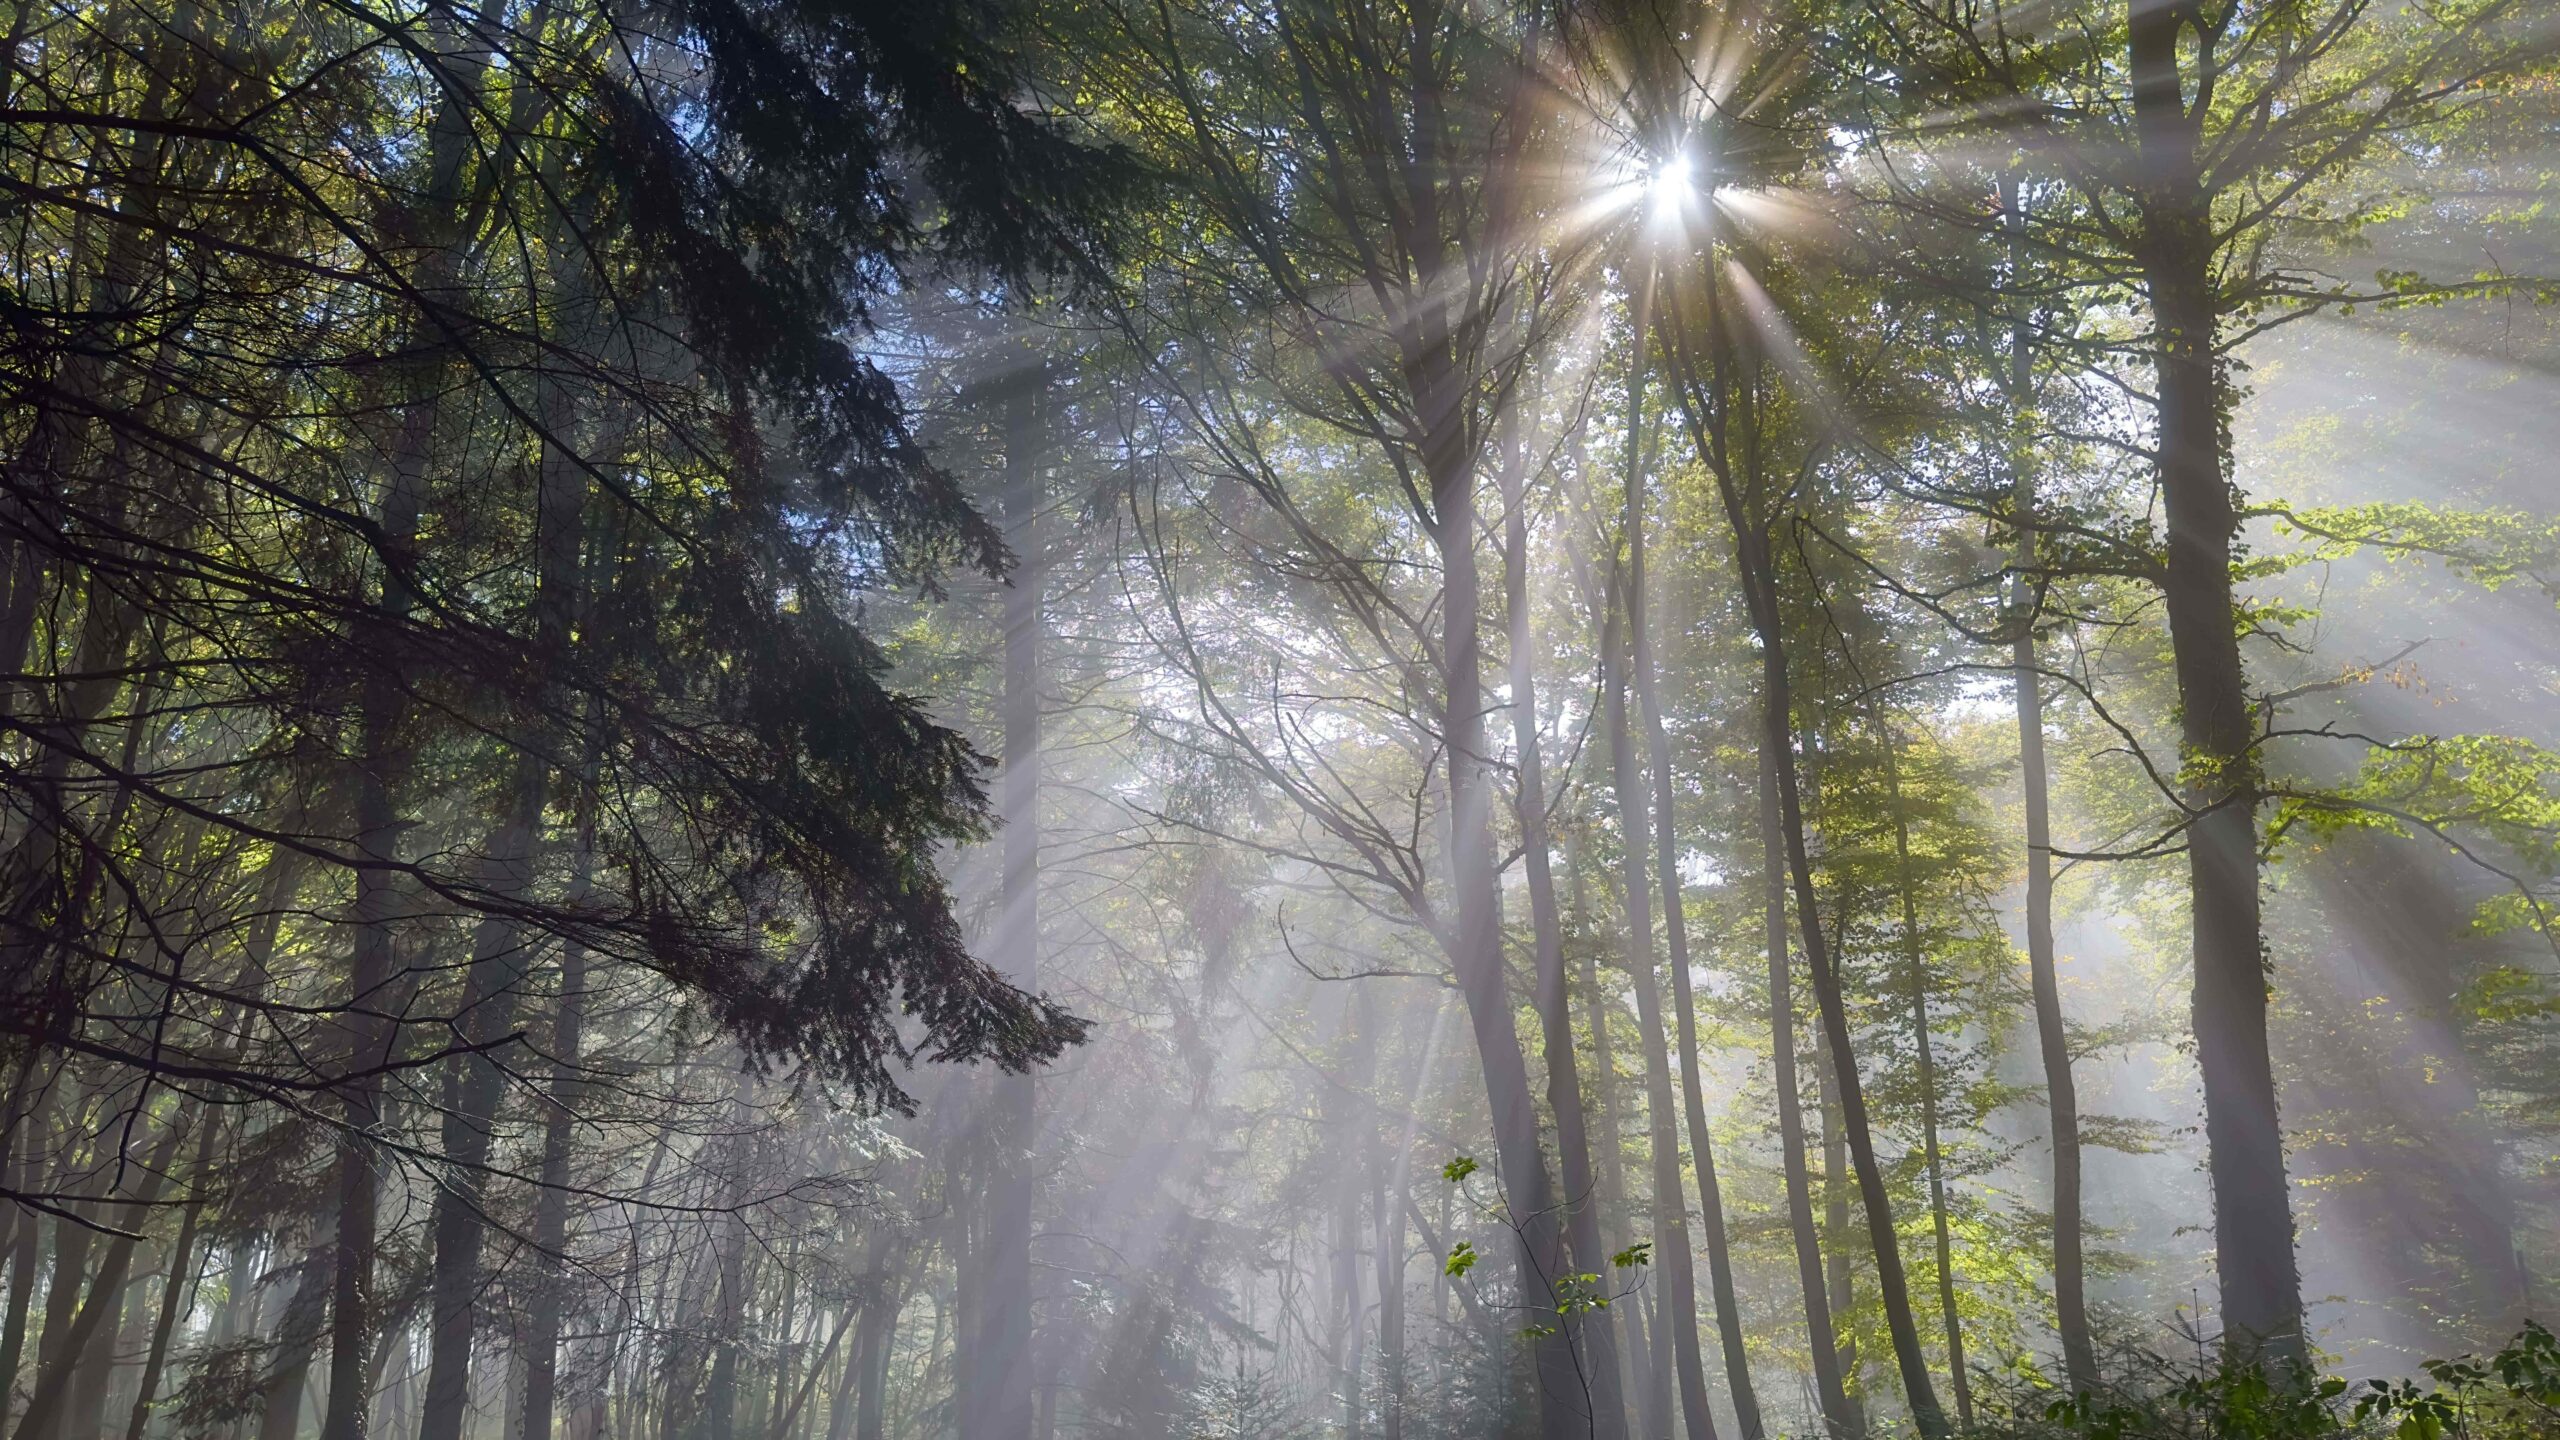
(720, 1394)
(174, 1291)
(1838, 1249)
(1476, 945)
(2053, 1039)
(1678, 1312)
(2244, 1143)
(995, 1390)
(568, 1088)
(381, 771)
(2070, 1294)
(501, 951)
(1675, 927)
(25, 1253)
(849, 1384)
(93, 1385)
(1596, 1328)
(1916, 963)
(1634, 1349)
(1386, 1207)
(1821, 1339)
(1893, 1289)
(1712, 395)
(879, 1337)
(71, 1244)
(1360, 1026)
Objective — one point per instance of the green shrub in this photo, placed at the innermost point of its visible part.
(2511, 1395)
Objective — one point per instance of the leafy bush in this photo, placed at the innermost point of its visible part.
(2511, 1395)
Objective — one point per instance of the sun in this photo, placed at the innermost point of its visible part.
(1672, 185)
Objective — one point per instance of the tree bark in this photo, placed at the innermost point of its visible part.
(1634, 1349)
(1711, 394)
(1675, 928)
(1893, 1289)
(2053, 1038)
(2244, 1143)
(995, 1396)
(1678, 1312)
(1838, 1414)
(25, 1253)
(1476, 945)
(383, 767)
(567, 1090)
(501, 952)
(1916, 964)
(1590, 1255)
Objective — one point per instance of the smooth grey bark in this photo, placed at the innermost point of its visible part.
(1596, 1329)
(1677, 1317)
(1932, 1155)
(1675, 928)
(1475, 947)
(2053, 1037)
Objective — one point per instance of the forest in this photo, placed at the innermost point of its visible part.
(1279, 719)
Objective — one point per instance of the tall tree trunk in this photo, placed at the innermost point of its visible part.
(2053, 1039)
(995, 1399)
(879, 1330)
(1476, 945)
(1915, 963)
(1840, 1277)
(94, 1384)
(501, 951)
(1833, 1395)
(1634, 1348)
(1358, 1074)
(2244, 1143)
(1712, 395)
(1387, 1205)
(1675, 929)
(551, 1208)
(1590, 1255)
(1677, 1317)
(382, 769)
(1892, 1287)
(720, 1393)
(567, 1091)
(849, 1383)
